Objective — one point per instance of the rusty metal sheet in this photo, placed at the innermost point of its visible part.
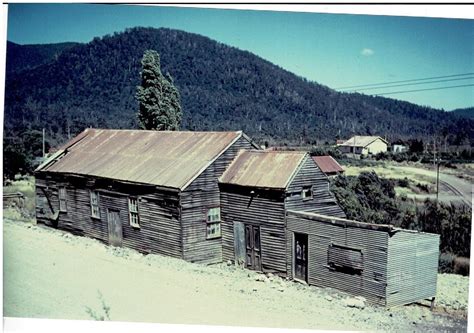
(163, 158)
(264, 169)
(328, 164)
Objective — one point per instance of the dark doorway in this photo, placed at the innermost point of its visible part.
(301, 257)
(252, 245)
(115, 227)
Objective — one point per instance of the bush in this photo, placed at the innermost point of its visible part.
(423, 187)
(461, 266)
(414, 158)
(446, 263)
(403, 182)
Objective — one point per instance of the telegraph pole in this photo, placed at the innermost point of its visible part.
(43, 144)
(438, 160)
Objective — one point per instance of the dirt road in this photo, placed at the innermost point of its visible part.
(452, 188)
(51, 274)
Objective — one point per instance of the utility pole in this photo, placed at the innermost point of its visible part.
(43, 144)
(438, 160)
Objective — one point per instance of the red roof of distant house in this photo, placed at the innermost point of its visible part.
(327, 164)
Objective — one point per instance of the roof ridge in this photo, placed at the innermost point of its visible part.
(147, 131)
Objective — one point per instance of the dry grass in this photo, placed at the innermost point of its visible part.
(391, 171)
(14, 210)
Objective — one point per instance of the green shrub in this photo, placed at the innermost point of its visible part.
(446, 263)
(461, 266)
(403, 182)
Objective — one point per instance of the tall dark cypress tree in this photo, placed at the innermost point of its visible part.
(159, 100)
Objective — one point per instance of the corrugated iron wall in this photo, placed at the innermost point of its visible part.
(412, 267)
(373, 244)
(398, 266)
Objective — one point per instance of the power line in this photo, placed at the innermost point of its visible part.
(403, 81)
(416, 83)
(439, 88)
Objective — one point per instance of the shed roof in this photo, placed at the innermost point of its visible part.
(264, 169)
(361, 141)
(328, 164)
(162, 158)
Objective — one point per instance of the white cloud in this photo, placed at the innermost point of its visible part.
(367, 52)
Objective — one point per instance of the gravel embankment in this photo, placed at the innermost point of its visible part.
(52, 274)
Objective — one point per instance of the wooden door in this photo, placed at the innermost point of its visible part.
(239, 243)
(301, 257)
(252, 247)
(115, 227)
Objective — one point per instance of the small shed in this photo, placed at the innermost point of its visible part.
(153, 191)
(328, 165)
(256, 190)
(364, 145)
(386, 265)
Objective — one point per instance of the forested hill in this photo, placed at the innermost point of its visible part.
(467, 112)
(30, 56)
(222, 88)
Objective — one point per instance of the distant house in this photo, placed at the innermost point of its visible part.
(399, 147)
(256, 190)
(153, 191)
(364, 145)
(328, 165)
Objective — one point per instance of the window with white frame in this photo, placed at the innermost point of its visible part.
(133, 212)
(213, 229)
(62, 199)
(307, 193)
(95, 212)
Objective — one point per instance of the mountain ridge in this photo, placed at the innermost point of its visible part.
(222, 88)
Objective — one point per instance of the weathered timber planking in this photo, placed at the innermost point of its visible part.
(323, 201)
(159, 213)
(196, 199)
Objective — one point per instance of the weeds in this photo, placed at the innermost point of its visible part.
(104, 313)
(25, 211)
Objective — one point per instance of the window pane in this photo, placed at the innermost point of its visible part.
(213, 230)
(213, 214)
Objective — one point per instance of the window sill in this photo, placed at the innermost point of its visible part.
(214, 237)
(95, 217)
(135, 227)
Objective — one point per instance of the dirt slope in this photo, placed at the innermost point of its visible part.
(51, 274)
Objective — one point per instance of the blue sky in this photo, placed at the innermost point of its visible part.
(332, 49)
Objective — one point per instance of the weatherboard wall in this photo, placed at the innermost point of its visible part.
(201, 195)
(257, 207)
(159, 230)
(322, 200)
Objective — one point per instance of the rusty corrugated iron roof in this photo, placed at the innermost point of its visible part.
(361, 141)
(264, 169)
(163, 158)
(328, 164)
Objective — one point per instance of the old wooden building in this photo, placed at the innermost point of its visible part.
(386, 265)
(256, 190)
(156, 192)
